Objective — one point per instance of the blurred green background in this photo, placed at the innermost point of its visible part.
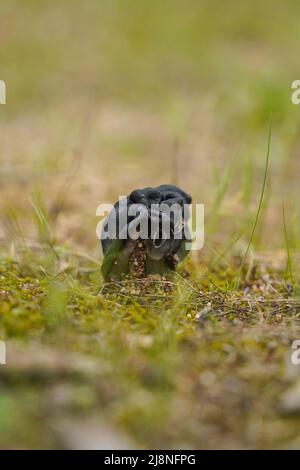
(112, 95)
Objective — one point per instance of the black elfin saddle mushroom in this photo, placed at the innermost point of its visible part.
(162, 252)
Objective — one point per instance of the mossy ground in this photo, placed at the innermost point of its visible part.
(190, 365)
